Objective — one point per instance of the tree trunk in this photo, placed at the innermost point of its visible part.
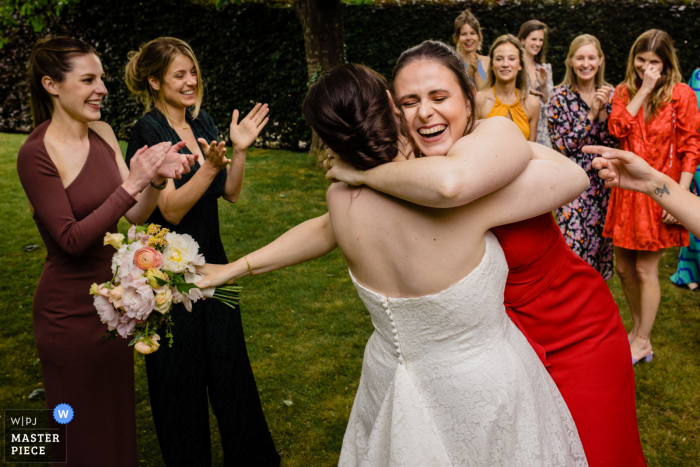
(322, 21)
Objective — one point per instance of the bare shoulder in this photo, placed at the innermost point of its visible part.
(339, 193)
(532, 106)
(495, 133)
(106, 133)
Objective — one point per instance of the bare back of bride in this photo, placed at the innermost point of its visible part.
(447, 378)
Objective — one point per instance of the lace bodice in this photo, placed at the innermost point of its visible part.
(464, 317)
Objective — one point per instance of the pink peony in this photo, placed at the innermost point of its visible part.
(126, 326)
(108, 314)
(138, 302)
(147, 257)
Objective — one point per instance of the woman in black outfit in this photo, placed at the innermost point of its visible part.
(208, 356)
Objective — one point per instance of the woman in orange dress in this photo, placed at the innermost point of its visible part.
(506, 92)
(655, 116)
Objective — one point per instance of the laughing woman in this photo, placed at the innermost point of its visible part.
(655, 116)
(78, 188)
(209, 360)
(533, 35)
(505, 93)
(578, 116)
(468, 41)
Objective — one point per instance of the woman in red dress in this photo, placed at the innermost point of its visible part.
(78, 188)
(560, 303)
(655, 116)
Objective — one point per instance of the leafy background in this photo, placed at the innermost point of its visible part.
(253, 52)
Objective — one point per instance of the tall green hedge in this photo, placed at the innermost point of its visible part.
(252, 52)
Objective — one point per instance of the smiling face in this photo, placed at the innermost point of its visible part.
(82, 90)
(433, 104)
(505, 62)
(469, 39)
(533, 42)
(586, 62)
(179, 84)
(647, 59)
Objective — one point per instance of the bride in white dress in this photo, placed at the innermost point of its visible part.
(447, 379)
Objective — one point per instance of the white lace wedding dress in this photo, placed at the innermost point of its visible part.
(448, 380)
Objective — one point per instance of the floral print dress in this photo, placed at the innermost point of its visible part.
(582, 220)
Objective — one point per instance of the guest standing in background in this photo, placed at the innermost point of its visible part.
(209, 362)
(468, 42)
(688, 272)
(578, 116)
(655, 116)
(78, 187)
(533, 36)
(505, 93)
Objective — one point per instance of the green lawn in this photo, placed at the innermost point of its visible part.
(306, 328)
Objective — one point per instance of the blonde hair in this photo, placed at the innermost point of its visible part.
(660, 43)
(466, 17)
(521, 81)
(570, 78)
(153, 59)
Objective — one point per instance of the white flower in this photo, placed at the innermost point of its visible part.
(107, 313)
(138, 302)
(164, 299)
(181, 253)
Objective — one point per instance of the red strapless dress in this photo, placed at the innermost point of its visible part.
(565, 310)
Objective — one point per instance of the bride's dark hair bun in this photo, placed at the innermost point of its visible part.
(350, 110)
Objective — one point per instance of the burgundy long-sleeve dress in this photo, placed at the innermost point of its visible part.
(567, 313)
(94, 375)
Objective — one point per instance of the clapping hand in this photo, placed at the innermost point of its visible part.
(176, 164)
(244, 133)
(473, 63)
(144, 165)
(600, 98)
(542, 76)
(214, 154)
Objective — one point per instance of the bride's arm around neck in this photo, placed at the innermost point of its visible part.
(487, 159)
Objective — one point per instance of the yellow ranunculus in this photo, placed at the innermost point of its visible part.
(114, 239)
(151, 275)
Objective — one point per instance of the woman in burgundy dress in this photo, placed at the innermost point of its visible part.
(78, 187)
(561, 304)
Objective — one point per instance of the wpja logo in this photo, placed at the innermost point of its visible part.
(35, 435)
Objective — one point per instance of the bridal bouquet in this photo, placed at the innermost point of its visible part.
(152, 269)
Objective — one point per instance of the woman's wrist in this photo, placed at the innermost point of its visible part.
(239, 152)
(158, 179)
(131, 188)
(658, 184)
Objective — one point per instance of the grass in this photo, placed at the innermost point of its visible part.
(306, 327)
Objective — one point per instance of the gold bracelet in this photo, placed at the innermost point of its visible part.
(687, 188)
(250, 270)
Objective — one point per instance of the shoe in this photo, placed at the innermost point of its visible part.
(644, 359)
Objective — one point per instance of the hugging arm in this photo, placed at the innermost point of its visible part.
(549, 181)
(492, 156)
(309, 240)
